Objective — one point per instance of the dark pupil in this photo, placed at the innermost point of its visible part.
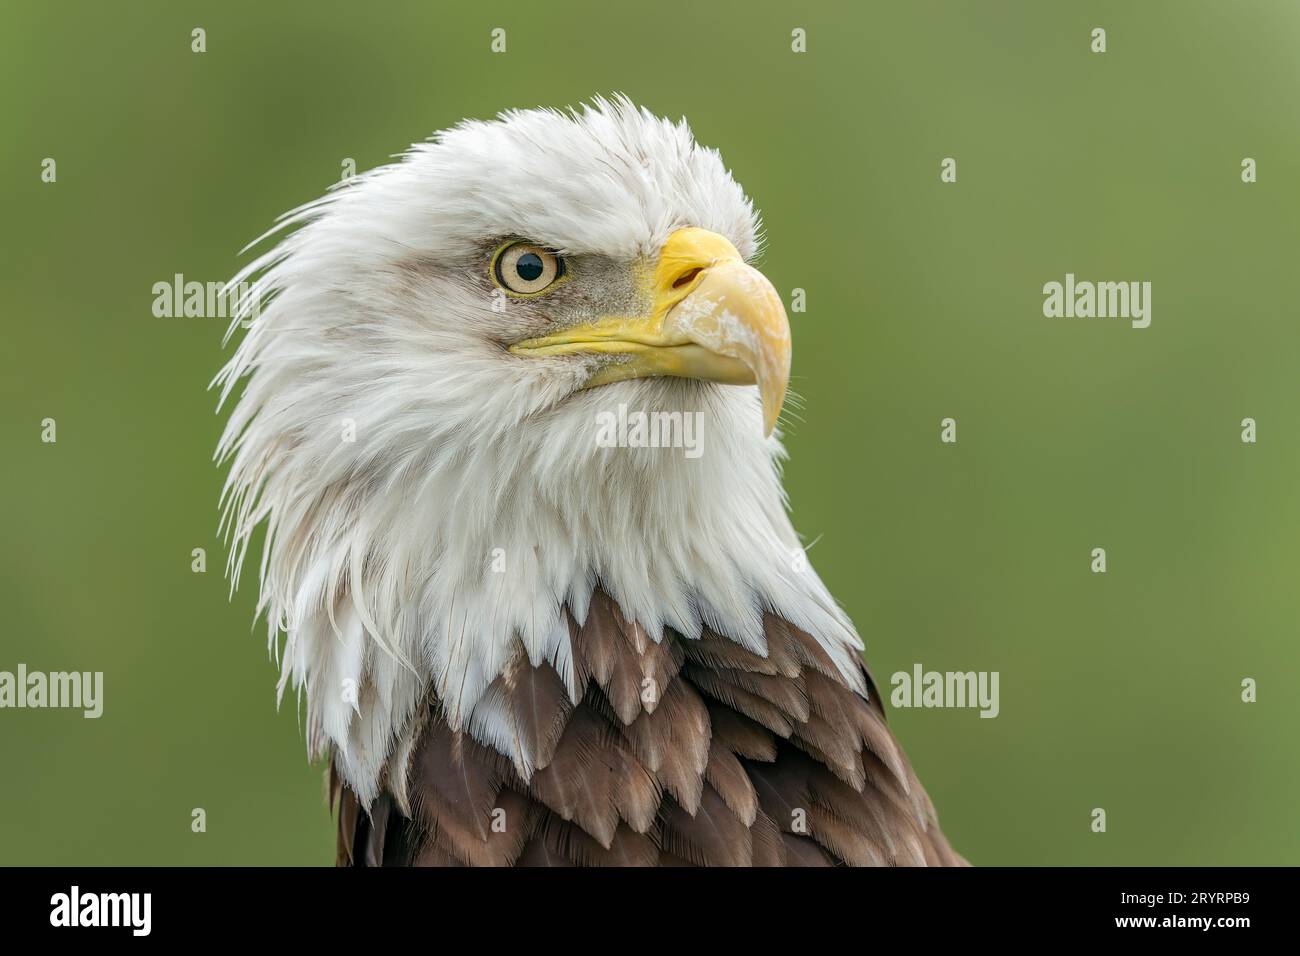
(529, 266)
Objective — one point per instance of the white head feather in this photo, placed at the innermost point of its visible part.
(377, 310)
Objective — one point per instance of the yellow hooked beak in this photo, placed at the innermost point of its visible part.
(712, 317)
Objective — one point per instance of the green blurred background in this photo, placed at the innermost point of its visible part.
(1119, 691)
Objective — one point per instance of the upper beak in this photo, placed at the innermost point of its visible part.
(712, 317)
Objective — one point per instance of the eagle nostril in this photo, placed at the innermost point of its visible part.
(685, 278)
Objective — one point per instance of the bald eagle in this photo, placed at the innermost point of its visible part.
(519, 645)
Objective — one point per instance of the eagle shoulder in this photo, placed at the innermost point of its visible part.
(681, 752)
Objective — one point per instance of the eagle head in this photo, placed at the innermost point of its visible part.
(430, 349)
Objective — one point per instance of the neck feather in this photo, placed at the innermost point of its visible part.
(433, 575)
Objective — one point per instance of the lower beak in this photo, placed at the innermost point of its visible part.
(712, 318)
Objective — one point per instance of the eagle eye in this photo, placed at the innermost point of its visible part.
(522, 268)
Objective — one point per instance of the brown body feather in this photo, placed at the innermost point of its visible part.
(685, 752)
